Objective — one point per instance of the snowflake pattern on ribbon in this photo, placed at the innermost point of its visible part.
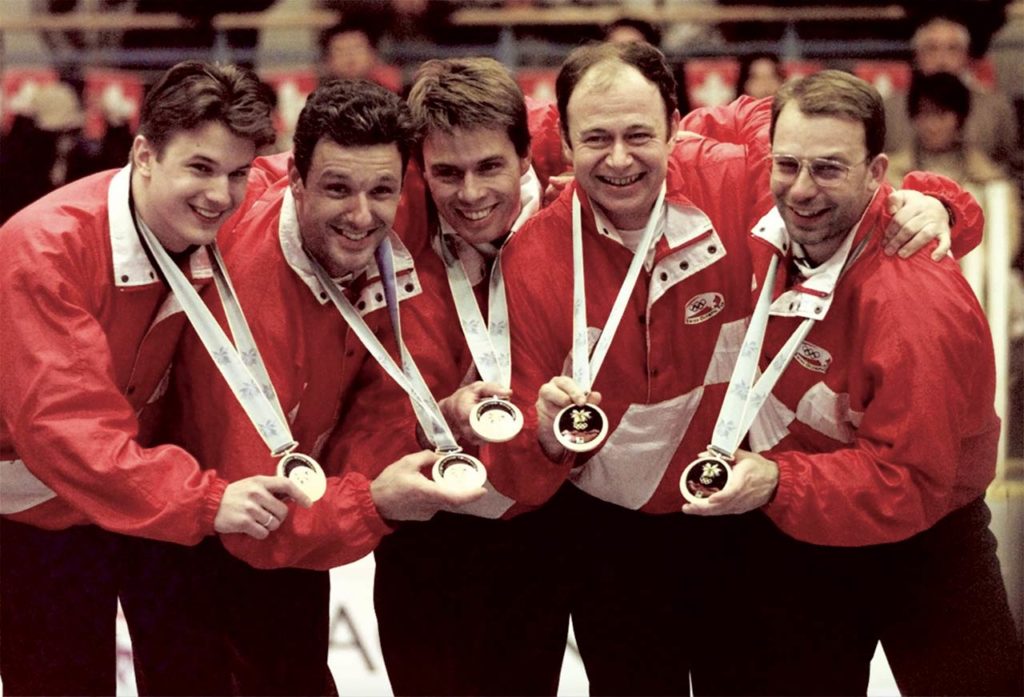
(740, 389)
(250, 357)
(268, 429)
(221, 356)
(725, 429)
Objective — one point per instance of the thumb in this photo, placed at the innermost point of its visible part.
(282, 487)
(417, 461)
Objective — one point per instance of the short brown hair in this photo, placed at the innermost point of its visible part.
(193, 93)
(353, 113)
(470, 93)
(839, 94)
(645, 58)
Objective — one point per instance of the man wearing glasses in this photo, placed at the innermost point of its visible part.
(877, 442)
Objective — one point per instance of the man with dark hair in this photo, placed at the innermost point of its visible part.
(328, 216)
(89, 329)
(878, 442)
(348, 50)
(444, 585)
(942, 44)
(646, 591)
(939, 105)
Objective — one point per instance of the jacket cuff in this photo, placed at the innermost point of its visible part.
(214, 496)
(785, 490)
(364, 500)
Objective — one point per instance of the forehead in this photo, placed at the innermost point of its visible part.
(355, 161)
(465, 146)
(613, 95)
(212, 141)
(944, 33)
(814, 135)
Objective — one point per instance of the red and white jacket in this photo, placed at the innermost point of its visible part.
(884, 421)
(318, 367)
(88, 336)
(664, 378)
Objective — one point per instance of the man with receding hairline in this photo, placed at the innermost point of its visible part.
(879, 440)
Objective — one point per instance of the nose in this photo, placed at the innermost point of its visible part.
(804, 185)
(619, 157)
(219, 190)
(360, 216)
(471, 190)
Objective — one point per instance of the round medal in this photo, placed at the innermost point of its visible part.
(581, 428)
(305, 472)
(496, 420)
(706, 475)
(458, 471)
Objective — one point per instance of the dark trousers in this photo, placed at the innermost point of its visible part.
(58, 600)
(647, 593)
(275, 622)
(936, 602)
(468, 606)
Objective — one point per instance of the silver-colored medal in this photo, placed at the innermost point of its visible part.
(496, 420)
(305, 472)
(458, 471)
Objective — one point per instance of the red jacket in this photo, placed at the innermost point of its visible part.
(318, 367)
(683, 311)
(316, 364)
(884, 421)
(88, 335)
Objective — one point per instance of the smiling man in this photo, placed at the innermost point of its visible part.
(878, 453)
(645, 583)
(443, 585)
(332, 207)
(89, 331)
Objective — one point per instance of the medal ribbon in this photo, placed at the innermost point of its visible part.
(744, 396)
(408, 376)
(489, 341)
(584, 370)
(240, 363)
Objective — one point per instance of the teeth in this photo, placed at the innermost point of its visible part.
(622, 181)
(206, 213)
(477, 215)
(353, 235)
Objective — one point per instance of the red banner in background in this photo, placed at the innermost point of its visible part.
(888, 77)
(711, 81)
(538, 83)
(116, 93)
(291, 86)
(18, 89)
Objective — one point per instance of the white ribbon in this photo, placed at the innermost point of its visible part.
(408, 376)
(240, 363)
(584, 368)
(745, 396)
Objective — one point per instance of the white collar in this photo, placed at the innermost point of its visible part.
(295, 255)
(131, 265)
(475, 258)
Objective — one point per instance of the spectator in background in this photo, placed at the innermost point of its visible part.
(938, 106)
(45, 147)
(942, 44)
(628, 29)
(761, 74)
(349, 50)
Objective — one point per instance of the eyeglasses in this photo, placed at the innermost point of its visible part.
(825, 173)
